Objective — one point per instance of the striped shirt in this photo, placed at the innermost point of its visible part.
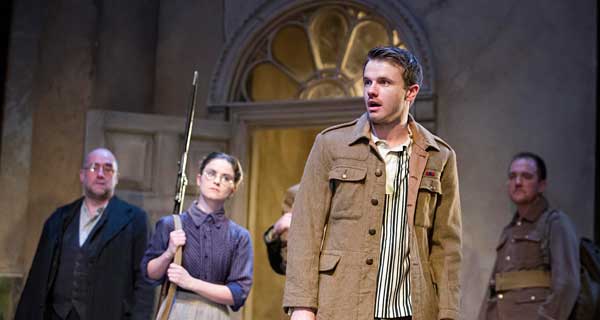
(393, 282)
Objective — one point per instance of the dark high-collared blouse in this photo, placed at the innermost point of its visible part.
(217, 250)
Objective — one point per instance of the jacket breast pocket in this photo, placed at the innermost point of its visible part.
(430, 190)
(528, 248)
(347, 184)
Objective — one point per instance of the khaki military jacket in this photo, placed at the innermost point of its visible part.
(334, 244)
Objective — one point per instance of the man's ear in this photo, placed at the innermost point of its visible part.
(411, 92)
(542, 186)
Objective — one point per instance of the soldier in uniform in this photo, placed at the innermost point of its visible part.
(376, 232)
(536, 273)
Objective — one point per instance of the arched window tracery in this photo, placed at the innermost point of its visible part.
(316, 54)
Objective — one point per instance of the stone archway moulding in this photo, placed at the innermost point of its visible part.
(268, 14)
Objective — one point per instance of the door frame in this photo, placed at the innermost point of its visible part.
(245, 117)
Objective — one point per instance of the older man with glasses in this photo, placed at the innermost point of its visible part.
(87, 265)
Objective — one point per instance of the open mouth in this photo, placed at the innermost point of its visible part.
(373, 106)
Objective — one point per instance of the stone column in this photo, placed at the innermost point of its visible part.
(25, 18)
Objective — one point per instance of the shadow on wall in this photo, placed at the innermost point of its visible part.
(5, 17)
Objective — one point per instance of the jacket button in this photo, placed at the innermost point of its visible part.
(501, 296)
(374, 202)
(344, 176)
(378, 172)
(372, 232)
(369, 261)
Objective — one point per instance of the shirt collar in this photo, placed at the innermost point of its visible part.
(85, 214)
(383, 145)
(199, 217)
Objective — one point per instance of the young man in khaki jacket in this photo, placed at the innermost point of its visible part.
(376, 228)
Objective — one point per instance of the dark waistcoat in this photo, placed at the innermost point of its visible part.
(71, 283)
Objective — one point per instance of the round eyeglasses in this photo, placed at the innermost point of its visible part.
(107, 168)
(212, 175)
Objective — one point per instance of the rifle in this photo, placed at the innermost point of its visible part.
(167, 292)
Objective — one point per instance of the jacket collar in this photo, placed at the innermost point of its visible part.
(69, 214)
(533, 212)
(115, 217)
(421, 136)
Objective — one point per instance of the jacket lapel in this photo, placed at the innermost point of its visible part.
(416, 166)
(67, 217)
(116, 216)
(422, 141)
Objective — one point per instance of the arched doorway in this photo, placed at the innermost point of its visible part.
(289, 71)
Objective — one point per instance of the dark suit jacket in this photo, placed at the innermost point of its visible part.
(117, 288)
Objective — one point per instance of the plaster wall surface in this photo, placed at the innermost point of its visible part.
(190, 37)
(15, 156)
(125, 55)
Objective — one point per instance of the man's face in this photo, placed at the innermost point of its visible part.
(386, 98)
(524, 184)
(99, 175)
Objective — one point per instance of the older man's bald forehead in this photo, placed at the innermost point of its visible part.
(100, 152)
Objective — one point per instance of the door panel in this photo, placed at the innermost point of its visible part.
(148, 148)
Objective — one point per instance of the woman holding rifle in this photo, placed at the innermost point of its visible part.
(217, 258)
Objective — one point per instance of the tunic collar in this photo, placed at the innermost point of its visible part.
(533, 213)
(420, 136)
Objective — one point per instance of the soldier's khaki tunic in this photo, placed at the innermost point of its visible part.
(519, 249)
